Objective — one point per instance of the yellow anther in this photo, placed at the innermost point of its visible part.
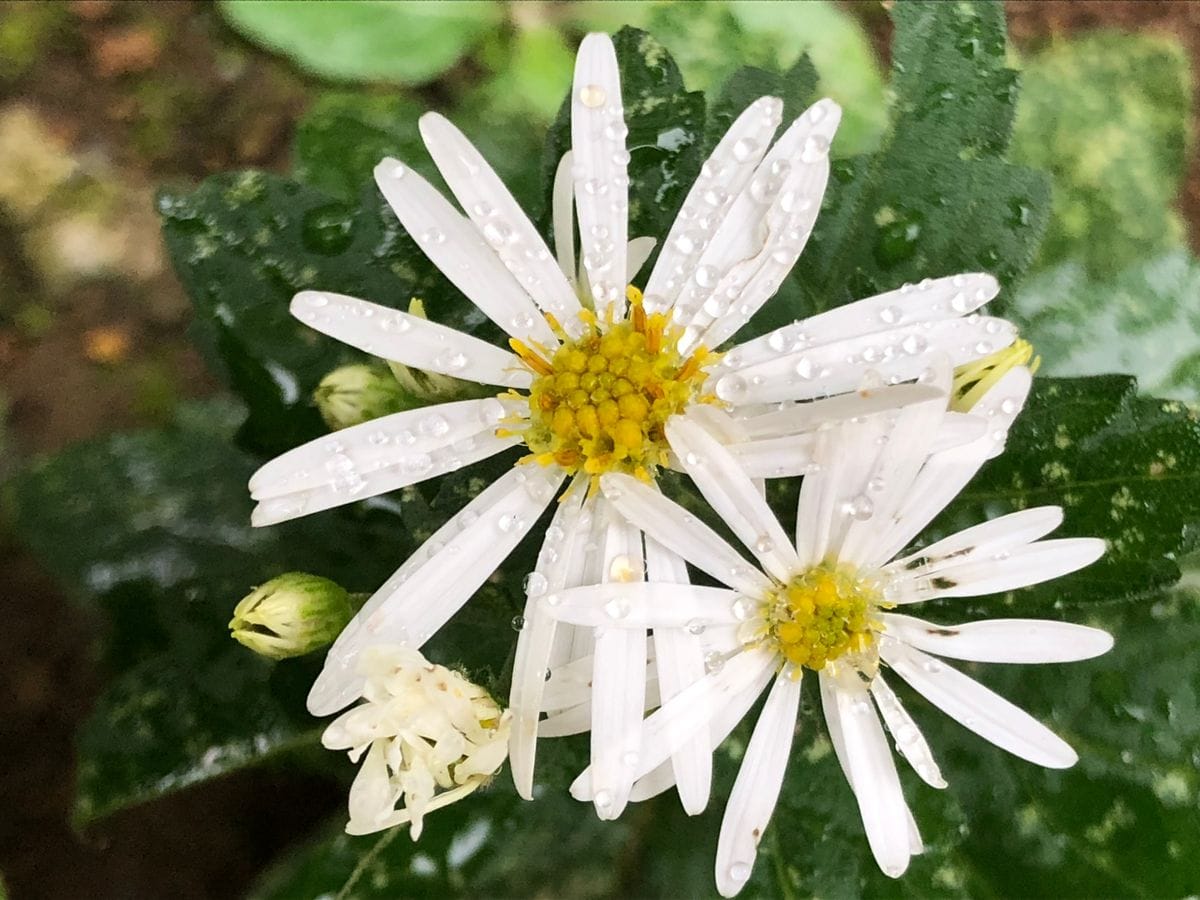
(530, 358)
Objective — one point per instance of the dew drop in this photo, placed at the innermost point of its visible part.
(731, 387)
(592, 96)
(535, 584)
(432, 236)
(744, 148)
(696, 626)
(816, 148)
(739, 871)
(914, 344)
(890, 314)
(713, 662)
(518, 623)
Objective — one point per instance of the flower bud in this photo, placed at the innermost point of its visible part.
(430, 387)
(291, 615)
(426, 737)
(358, 393)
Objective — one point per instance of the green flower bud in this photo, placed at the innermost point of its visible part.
(291, 615)
(355, 394)
(430, 387)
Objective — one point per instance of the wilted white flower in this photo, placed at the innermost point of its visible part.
(826, 602)
(595, 371)
(430, 737)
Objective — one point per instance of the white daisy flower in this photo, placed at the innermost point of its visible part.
(591, 379)
(827, 603)
(430, 737)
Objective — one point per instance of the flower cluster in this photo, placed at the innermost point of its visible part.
(885, 408)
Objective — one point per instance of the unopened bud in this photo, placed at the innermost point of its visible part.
(291, 615)
(430, 387)
(358, 393)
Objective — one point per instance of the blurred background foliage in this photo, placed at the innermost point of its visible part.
(938, 165)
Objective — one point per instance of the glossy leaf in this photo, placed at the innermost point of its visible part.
(375, 40)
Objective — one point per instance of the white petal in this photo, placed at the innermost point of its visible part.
(872, 773)
(722, 177)
(976, 707)
(670, 726)
(799, 418)
(756, 789)
(680, 531)
(454, 245)
(600, 160)
(679, 662)
(408, 469)
(946, 473)
(977, 575)
(989, 538)
(910, 743)
(354, 454)
(636, 254)
(499, 218)
(788, 223)
(1002, 640)
(897, 355)
(563, 214)
(724, 719)
(732, 495)
(398, 336)
(931, 301)
(561, 555)
(886, 482)
(618, 679)
(647, 605)
(764, 229)
(439, 578)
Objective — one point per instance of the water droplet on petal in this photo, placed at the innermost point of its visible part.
(592, 96)
(535, 584)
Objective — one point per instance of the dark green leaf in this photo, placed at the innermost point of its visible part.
(402, 42)
(244, 243)
(344, 135)
(492, 844)
(1124, 467)
(936, 199)
(796, 88)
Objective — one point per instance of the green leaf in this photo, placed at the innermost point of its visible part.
(344, 135)
(1109, 116)
(243, 244)
(796, 88)
(936, 199)
(1124, 467)
(1122, 822)
(666, 126)
(1144, 321)
(366, 40)
(490, 844)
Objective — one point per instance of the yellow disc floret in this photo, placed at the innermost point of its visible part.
(823, 614)
(600, 401)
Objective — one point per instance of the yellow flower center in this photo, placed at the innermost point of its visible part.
(600, 401)
(973, 380)
(824, 614)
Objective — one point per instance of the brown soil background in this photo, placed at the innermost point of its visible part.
(114, 355)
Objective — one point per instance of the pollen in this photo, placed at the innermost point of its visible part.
(824, 614)
(973, 380)
(599, 402)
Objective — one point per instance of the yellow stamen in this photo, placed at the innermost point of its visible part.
(973, 380)
(530, 358)
(822, 615)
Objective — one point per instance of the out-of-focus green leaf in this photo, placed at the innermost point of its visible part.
(491, 845)
(1124, 467)
(1108, 115)
(243, 244)
(937, 198)
(341, 139)
(666, 125)
(1145, 321)
(530, 74)
(366, 40)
